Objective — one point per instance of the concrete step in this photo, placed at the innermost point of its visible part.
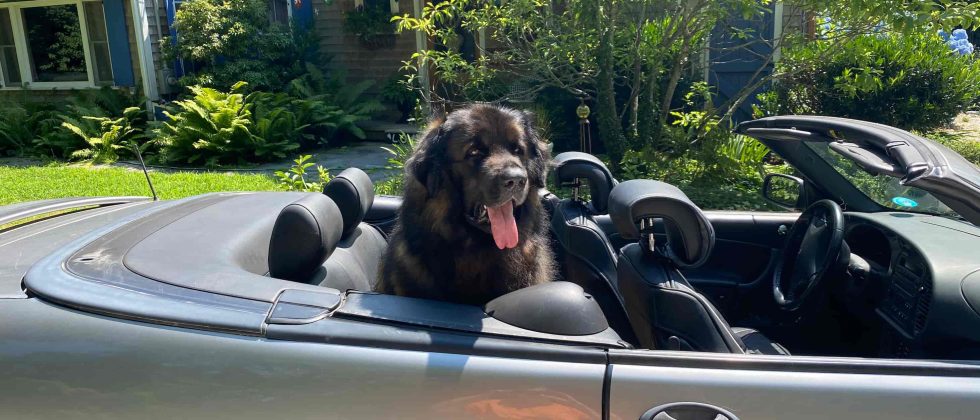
(375, 130)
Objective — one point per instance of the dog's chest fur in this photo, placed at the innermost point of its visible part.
(444, 259)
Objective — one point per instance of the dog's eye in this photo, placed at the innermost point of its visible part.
(516, 149)
(474, 152)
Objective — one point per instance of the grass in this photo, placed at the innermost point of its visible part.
(30, 183)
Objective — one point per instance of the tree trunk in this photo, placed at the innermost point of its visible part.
(647, 128)
(609, 126)
(675, 77)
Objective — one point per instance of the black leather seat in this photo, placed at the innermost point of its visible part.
(585, 255)
(665, 311)
(354, 264)
(305, 234)
(320, 239)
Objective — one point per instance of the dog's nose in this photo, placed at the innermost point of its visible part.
(513, 178)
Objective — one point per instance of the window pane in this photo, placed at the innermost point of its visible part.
(98, 41)
(8, 52)
(54, 43)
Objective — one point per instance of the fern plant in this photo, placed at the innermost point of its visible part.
(340, 105)
(743, 152)
(15, 135)
(112, 137)
(295, 178)
(275, 120)
(214, 128)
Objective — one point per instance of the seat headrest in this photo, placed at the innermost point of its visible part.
(305, 234)
(570, 166)
(690, 235)
(353, 192)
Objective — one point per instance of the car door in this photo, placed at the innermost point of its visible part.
(645, 384)
(737, 276)
(60, 363)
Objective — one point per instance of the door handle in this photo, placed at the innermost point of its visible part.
(687, 411)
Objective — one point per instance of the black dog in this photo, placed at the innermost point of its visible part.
(471, 226)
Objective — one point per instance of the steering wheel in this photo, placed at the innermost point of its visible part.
(812, 248)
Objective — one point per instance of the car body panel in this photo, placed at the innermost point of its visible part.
(68, 364)
(24, 245)
(776, 395)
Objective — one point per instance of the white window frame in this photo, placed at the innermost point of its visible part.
(23, 55)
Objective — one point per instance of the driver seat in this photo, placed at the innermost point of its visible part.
(665, 311)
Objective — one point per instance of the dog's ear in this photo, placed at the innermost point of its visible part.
(538, 151)
(427, 164)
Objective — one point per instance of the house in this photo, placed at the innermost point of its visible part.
(53, 46)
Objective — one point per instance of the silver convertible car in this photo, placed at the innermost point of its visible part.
(861, 300)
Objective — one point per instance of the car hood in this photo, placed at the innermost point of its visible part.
(884, 150)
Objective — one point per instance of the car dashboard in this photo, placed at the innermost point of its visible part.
(912, 272)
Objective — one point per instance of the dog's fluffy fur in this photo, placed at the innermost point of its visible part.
(438, 250)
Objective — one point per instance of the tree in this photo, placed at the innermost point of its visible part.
(628, 57)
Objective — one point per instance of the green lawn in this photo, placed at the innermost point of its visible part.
(53, 181)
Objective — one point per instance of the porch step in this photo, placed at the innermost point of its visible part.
(375, 130)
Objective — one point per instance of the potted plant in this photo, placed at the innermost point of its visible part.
(371, 24)
(396, 92)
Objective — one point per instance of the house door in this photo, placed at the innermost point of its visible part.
(738, 57)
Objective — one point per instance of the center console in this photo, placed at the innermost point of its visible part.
(907, 298)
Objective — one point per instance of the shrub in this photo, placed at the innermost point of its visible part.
(223, 42)
(969, 149)
(400, 151)
(724, 172)
(339, 105)
(16, 129)
(32, 127)
(112, 137)
(214, 128)
(295, 178)
(911, 81)
(396, 92)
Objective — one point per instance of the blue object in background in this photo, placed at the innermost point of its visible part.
(904, 202)
(121, 63)
(958, 41)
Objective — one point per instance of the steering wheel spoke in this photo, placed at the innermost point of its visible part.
(814, 243)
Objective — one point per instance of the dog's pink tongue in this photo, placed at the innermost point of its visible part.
(503, 226)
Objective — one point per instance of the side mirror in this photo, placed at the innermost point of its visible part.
(785, 191)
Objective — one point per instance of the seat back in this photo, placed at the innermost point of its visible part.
(354, 263)
(584, 253)
(664, 310)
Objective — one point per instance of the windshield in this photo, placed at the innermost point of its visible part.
(882, 189)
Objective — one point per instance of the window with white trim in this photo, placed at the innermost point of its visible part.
(54, 44)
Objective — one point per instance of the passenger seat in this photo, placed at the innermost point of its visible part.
(585, 255)
(354, 263)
